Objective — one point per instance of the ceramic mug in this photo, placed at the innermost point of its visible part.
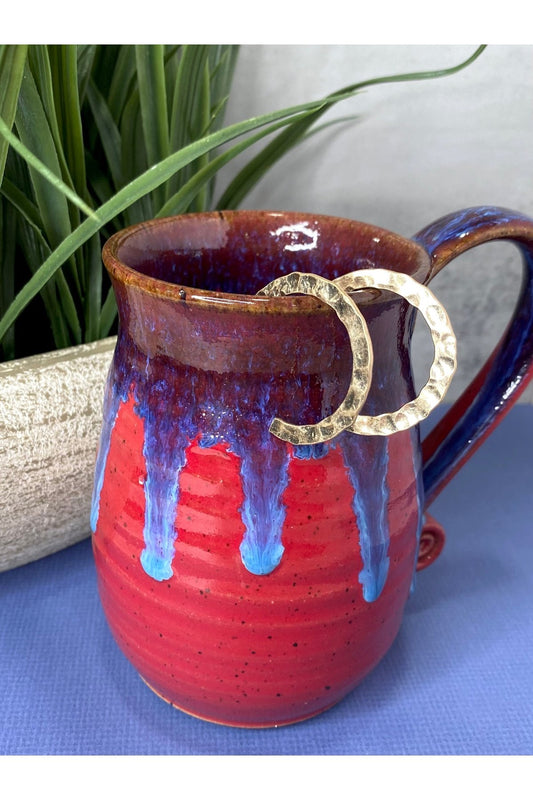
(252, 581)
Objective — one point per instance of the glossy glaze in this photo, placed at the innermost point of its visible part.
(251, 582)
(509, 369)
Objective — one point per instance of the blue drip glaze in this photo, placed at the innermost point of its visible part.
(417, 467)
(367, 461)
(166, 436)
(264, 473)
(111, 406)
(174, 417)
(306, 451)
(264, 479)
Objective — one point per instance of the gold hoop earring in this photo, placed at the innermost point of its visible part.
(345, 308)
(444, 341)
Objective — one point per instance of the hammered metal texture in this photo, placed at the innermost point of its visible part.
(345, 308)
(444, 341)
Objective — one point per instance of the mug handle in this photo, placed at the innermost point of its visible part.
(505, 375)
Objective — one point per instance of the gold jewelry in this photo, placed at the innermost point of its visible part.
(346, 416)
(352, 319)
(444, 342)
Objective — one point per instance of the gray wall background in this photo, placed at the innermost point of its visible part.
(415, 152)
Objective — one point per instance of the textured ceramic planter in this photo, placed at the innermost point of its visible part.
(50, 412)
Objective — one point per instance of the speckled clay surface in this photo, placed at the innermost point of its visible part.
(252, 582)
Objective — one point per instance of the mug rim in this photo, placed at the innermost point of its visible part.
(122, 272)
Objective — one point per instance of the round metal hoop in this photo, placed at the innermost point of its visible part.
(444, 342)
(345, 308)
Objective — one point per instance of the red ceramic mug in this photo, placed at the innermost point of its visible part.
(251, 581)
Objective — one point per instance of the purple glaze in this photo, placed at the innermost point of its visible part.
(173, 417)
(173, 420)
(494, 391)
(187, 387)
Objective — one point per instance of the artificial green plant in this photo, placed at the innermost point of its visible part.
(97, 137)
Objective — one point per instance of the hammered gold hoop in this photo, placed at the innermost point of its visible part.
(345, 308)
(444, 342)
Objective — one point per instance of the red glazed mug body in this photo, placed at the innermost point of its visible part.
(250, 581)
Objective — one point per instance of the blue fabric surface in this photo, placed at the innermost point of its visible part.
(458, 679)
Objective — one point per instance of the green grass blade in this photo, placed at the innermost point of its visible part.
(106, 59)
(108, 314)
(12, 60)
(222, 60)
(8, 224)
(254, 170)
(40, 66)
(21, 202)
(99, 180)
(133, 157)
(185, 124)
(58, 302)
(38, 148)
(330, 124)
(150, 61)
(204, 120)
(181, 202)
(41, 70)
(64, 66)
(153, 100)
(68, 308)
(34, 249)
(217, 113)
(86, 56)
(93, 295)
(108, 131)
(122, 82)
(43, 171)
(250, 175)
(172, 59)
(406, 77)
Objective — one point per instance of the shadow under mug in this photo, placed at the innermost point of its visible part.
(250, 581)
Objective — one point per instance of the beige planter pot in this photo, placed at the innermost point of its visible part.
(50, 417)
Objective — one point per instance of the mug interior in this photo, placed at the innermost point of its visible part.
(240, 252)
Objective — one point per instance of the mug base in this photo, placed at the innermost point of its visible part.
(233, 724)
